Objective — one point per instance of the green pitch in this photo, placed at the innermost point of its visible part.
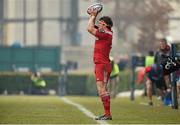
(52, 110)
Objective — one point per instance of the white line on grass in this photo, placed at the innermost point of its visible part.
(83, 109)
(146, 104)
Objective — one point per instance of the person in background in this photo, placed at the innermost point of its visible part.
(149, 59)
(114, 79)
(39, 84)
(161, 57)
(154, 75)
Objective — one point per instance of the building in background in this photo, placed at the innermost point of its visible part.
(63, 23)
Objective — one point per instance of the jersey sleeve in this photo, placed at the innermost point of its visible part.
(147, 69)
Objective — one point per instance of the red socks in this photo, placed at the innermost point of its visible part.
(106, 103)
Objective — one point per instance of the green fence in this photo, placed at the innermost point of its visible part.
(32, 58)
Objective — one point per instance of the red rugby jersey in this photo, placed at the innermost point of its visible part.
(102, 47)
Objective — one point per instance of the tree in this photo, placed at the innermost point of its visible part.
(148, 16)
(155, 20)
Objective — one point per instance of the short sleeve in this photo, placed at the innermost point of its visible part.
(147, 69)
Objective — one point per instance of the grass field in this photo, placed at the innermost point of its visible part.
(52, 110)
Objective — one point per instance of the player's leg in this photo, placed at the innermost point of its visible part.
(178, 88)
(113, 94)
(109, 86)
(101, 82)
(149, 91)
(105, 98)
(161, 86)
(167, 81)
(114, 86)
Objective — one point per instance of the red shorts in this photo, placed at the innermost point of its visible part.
(102, 72)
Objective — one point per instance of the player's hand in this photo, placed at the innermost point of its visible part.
(94, 12)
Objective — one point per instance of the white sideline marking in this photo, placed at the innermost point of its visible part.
(84, 110)
(142, 103)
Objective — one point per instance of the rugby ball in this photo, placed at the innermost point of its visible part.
(97, 6)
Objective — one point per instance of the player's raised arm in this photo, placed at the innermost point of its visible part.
(91, 25)
(93, 12)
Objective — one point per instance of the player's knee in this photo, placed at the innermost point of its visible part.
(102, 92)
(148, 86)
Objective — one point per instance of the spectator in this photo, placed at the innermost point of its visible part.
(114, 78)
(149, 59)
(39, 84)
(161, 57)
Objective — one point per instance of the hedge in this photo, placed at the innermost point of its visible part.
(77, 84)
(15, 82)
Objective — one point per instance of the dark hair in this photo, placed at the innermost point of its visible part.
(108, 21)
(163, 40)
(151, 53)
